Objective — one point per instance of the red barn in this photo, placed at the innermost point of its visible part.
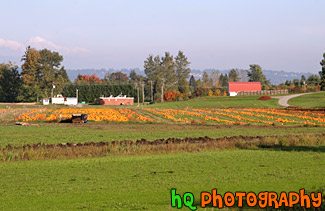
(234, 87)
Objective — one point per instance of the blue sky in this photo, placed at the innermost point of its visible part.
(284, 35)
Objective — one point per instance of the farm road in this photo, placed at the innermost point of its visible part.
(283, 100)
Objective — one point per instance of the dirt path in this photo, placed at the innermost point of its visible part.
(283, 100)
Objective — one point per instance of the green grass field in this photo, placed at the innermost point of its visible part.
(96, 132)
(143, 181)
(220, 102)
(315, 100)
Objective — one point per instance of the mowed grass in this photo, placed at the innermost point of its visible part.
(315, 100)
(50, 133)
(144, 182)
(219, 102)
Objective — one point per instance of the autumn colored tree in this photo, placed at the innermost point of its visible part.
(169, 96)
(88, 79)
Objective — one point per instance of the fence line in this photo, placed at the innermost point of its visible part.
(263, 92)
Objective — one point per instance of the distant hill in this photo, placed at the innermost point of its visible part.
(73, 74)
(276, 77)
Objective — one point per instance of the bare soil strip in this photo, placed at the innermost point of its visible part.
(42, 151)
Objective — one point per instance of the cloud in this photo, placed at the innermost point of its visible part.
(39, 43)
(12, 45)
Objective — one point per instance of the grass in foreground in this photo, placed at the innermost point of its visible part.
(96, 132)
(144, 182)
(315, 100)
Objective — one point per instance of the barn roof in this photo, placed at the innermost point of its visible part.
(244, 86)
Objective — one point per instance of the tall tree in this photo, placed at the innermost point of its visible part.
(221, 79)
(40, 71)
(199, 83)
(225, 80)
(313, 80)
(153, 72)
(214, 76)
(233, 76)
(135, 78)
(31, 89)
(10, 83)
(168, 71)
(296, 82)
(322, 73)
(256, 74)
(182, 72)
(193, 84)
(117, 78)
(206, 80)
(303, 80)
(243, 75)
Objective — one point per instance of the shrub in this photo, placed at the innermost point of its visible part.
(170, 96)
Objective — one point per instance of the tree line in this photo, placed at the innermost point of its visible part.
(169, 78)
(166, 77)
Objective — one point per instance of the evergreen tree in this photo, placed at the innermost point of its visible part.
(322, 73)
(199, 83)
(221, 78)
(233, 76)
(153, 72)
(225, 81)
(256, 74)
(303, 80)
(193, 84)
(313, 80)
(182, 71)
(168, 72)
(10, 83)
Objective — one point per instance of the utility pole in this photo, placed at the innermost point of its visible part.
(151, 91)
(304, 86)
(162, 92)
(53, 86)
(137, 85)
(142, 93)
(77, 95)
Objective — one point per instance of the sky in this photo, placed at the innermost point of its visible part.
(284, 35)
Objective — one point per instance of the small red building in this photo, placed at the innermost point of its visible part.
(119, 100)
(235, 87)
